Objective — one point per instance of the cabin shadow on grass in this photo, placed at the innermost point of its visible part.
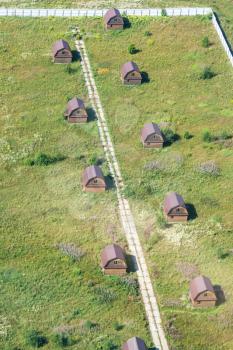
(169, 141)
(127, 23)
(91, 114)
(131, 263)
(145, 77)
(75, 56)
(192, 213)
(219, 294)
(110, 184)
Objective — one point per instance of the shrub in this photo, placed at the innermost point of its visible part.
(104, 344)
(129, 191)
(117, 326)
(209, 168)
(63, 339)
(132, 49)
(187, 135)
(205, 42)
(222, 254)
(206, 136)
(42, 159)
(207, 73)
(164, 13)
(147, 33)
(70, 70)
(88, 325)
(224, 135)
(170, 136)
(36, 339)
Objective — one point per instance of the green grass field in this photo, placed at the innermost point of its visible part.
(173, 58)
(43, 206)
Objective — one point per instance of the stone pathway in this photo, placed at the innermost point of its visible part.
(148, 296)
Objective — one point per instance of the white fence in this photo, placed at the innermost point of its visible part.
(222, 39)
(180, 11)
(185, 11)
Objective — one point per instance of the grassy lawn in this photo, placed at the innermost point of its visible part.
(43, 207)
(175, 96)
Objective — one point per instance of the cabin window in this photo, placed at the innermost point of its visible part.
(116, 262)
(198, 302)
(205, 294)
(133, 74)
(178, 210)
(95, 181)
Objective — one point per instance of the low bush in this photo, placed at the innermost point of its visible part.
(102, 343)
(42, 159)
(205, 42)
(187, 135)
(206, 136)
(207, 73)
(117, 326)
(132, 49)
(222, 254)
(89, 325)
(36, 339)
(62, 339)
(225, 135)
(170, 136)
(147, 33)
(70, 70)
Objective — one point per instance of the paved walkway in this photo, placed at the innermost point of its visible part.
(148, 296)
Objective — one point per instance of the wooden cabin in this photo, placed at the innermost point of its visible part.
(113, 260)
(201, 292)
(151, 136)
(61, 52)
(93, 179)
(174, 208)
(75, 111)
(130, 74)
(113, 19)
(134, 343)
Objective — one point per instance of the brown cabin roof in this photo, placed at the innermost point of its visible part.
(199, 285)
(128, 67)
(150, 129)
(134, 343)
(92, 172)
(60, 45)
(172, 201)
(111, 13)
(74, 104)
(111, 252)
